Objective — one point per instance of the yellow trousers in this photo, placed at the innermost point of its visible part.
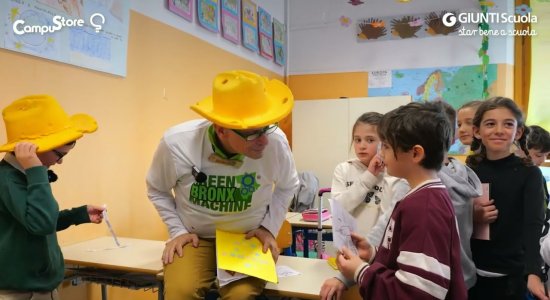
(194, 274)
(17, 295)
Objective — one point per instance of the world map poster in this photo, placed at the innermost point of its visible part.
(455, 85)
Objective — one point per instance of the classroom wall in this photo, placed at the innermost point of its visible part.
(156, 9)
(540, 94)
(320, 44)
(167, 72)
(326, 61)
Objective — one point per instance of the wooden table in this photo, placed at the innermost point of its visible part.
(134, 265)
(307, 285)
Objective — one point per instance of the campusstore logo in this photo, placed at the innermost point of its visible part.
(21, 27)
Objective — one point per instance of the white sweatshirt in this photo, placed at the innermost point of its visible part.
(255, 194)
(364, 195)
(545, 248)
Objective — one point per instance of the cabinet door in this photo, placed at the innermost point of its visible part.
(321, 131)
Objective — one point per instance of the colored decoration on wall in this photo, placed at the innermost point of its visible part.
(231, 25)
(249, 17)
(345, 21)
(279, 42)
(355, 2)
(456, 85)
(237, 254)
(207, 14)
(483, 52)
(182, 8)
(371, 29)
(266, 33)
(405, 27)
(435, 25)
(488, 3)
(523, 10)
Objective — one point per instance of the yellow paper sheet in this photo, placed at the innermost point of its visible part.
(235, 253)
(332, 263)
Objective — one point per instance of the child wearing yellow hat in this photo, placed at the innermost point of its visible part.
(39, 135)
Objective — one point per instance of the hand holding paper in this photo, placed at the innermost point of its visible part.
(236, 253)
(485, 213)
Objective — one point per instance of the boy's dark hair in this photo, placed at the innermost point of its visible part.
(472, 104)
(423, 124)
(451, 115)
(538, 139)
(480, 152)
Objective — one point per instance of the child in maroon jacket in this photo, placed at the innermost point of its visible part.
(419, 256)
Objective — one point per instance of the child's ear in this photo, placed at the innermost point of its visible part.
(519, 133)
(418, 153)
(476, 132)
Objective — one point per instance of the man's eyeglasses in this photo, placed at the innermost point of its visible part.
(59, 155)
(250, 136)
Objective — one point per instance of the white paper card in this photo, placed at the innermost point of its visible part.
(343, 224)
(225, 277)
(285, 271)
(482, 230)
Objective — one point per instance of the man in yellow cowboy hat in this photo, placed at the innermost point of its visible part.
(233, 171)
(39, 135)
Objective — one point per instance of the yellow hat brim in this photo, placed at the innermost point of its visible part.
(79, 124)
(280, 101)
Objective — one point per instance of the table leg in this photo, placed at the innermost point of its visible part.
(293, 247)
(103, 292)
(306, 243)
(161, 291)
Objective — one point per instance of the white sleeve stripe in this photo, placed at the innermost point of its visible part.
(422, 284)
(424, 262)
(439, 186)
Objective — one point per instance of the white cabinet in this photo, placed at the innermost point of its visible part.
(321, 131)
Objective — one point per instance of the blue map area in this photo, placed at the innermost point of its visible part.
(455, 85)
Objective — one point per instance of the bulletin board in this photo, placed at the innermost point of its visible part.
(99, 45)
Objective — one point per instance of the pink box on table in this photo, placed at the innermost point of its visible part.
(311, 215)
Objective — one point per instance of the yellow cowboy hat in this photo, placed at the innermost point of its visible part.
(242, 100)
(41, 120)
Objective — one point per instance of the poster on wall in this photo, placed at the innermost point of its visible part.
(182, 8)
(249, 17)
(266, 33)
(455, 85)
(207, 14)
(379, 79)
(231, 29)
(279, 47)
(405, 27)
(98, 40)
